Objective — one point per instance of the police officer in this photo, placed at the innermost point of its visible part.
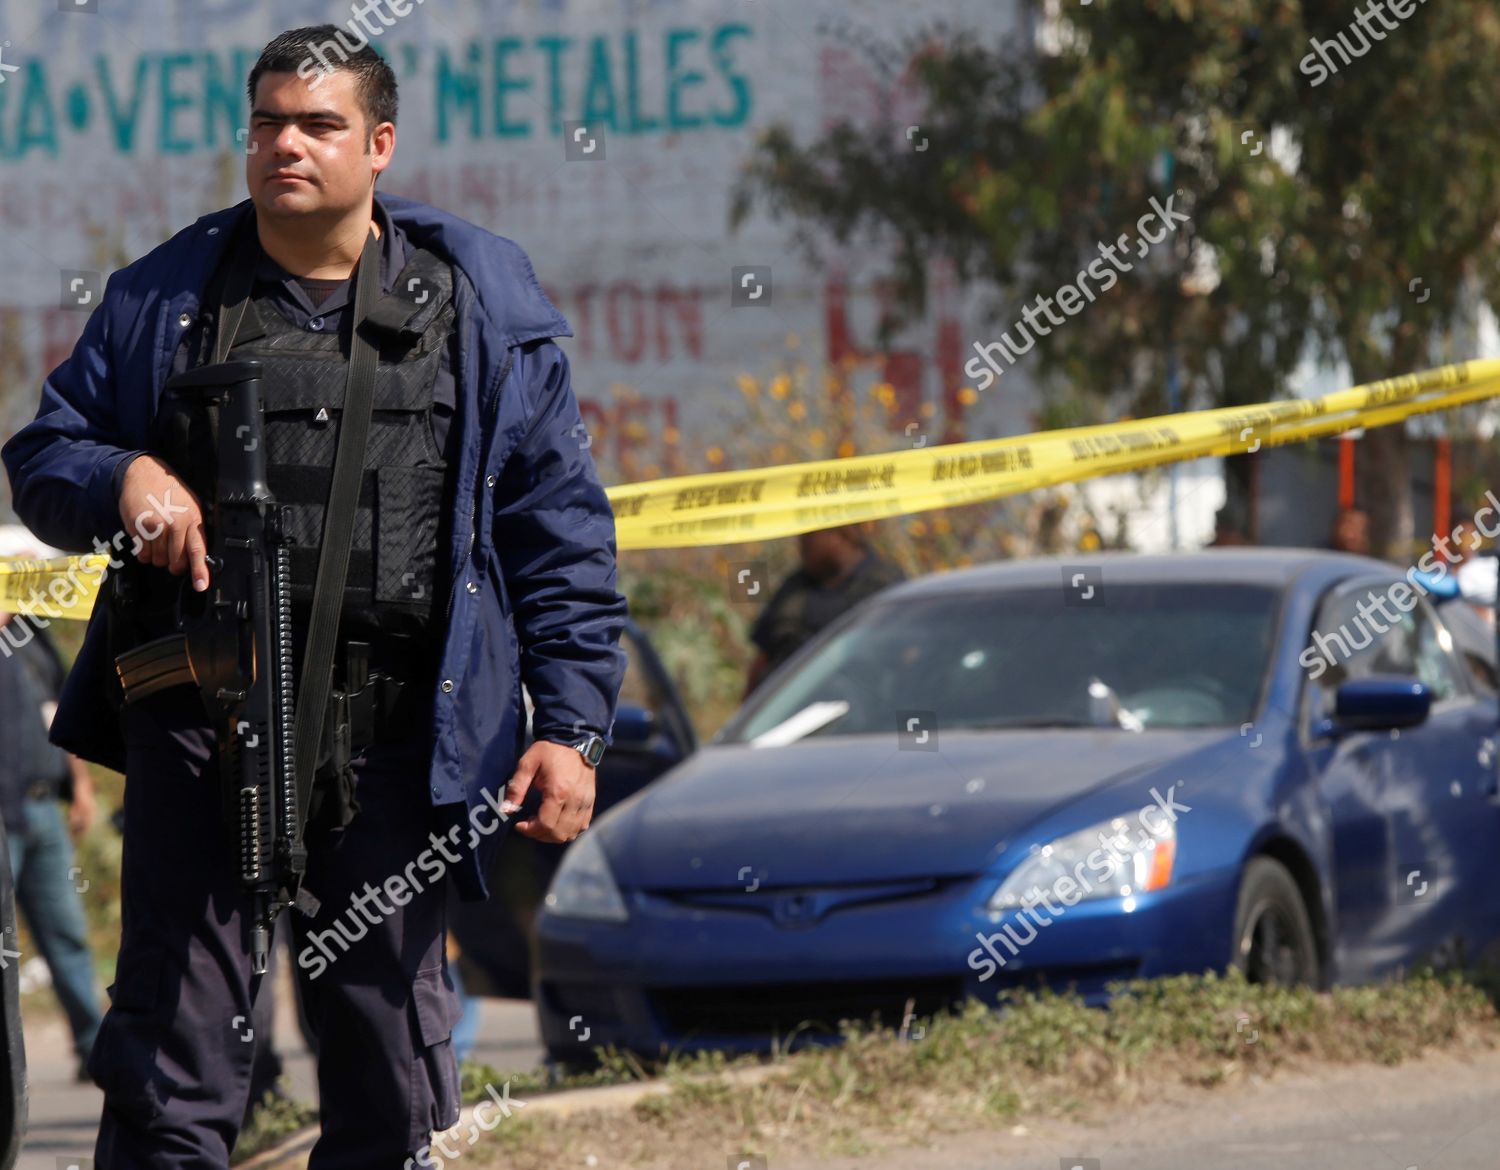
(483, 556)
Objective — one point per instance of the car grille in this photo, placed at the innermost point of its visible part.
(781, 1008)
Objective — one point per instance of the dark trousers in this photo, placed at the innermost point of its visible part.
(175, 1050)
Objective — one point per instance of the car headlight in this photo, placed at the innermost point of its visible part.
(583, 886)
(1108, 860)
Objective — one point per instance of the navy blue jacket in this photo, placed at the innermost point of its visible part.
(532, 557)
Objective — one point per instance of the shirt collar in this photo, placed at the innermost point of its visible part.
(392, 247)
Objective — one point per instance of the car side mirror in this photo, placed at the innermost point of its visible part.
(1379, 703)
(634, 726)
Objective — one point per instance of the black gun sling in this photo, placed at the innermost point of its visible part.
(343, 498)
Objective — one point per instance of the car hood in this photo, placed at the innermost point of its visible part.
(855, 809)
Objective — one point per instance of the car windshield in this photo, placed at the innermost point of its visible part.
(1168, 655)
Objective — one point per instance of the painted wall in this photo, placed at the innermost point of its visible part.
(122, 122)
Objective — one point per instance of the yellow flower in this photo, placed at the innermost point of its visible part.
(928, 409)
(778, 452)
(797, 410)
(671, 435)
(941, 525)
(1089, 541)
(886, 393)
(781, 386)
(846, 449)
(916, 527)
(748, 385)
(816, 437)
(714, 455)
(968, 395)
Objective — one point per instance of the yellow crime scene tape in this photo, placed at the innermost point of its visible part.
(736, 506)
(731, 507)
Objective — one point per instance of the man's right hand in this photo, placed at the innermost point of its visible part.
(163, 515)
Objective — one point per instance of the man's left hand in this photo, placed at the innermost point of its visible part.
(566, 782)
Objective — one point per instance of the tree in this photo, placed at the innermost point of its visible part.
(1319, 182)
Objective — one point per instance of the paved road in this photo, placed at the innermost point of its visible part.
(65, 1115)
(1439, 1113)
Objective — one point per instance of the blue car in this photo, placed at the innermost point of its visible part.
(1046, 773)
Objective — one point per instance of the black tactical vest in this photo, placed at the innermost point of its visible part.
(394, 581)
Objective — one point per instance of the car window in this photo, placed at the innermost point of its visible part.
(1189, 654)
(1363, 632)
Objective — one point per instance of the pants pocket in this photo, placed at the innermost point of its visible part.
(124, 1059)
(435, 1101)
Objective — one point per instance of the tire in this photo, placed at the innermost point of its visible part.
(1273, 937)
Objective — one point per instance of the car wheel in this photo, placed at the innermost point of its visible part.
(1273, 935)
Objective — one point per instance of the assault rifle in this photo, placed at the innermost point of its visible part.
(234, 640)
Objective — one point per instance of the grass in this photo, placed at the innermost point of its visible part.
(1044, 1054)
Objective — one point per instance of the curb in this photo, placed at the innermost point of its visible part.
(562, 1104)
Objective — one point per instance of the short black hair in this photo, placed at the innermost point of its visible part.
(327, 47)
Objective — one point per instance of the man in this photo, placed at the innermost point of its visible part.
(1351, 532)
(34, 776)
(838, 570)
(483, 557)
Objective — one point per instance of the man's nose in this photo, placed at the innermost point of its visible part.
(288, 140)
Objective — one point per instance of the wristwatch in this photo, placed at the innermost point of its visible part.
(591, 748)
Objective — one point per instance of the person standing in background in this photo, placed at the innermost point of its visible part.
(35, 776)
(838, 570)
(1351, 532)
